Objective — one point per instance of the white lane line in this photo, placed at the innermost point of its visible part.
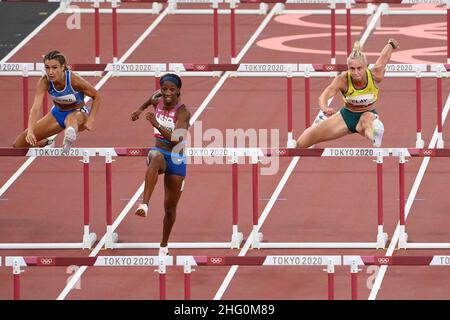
(97, 86)
(77, 275)
(380, 276)
(261, 220)
(4, 60)
(280, 186)
(16, 175)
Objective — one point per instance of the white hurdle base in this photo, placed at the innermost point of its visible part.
(257, 243)
(88, 243)
(70, 245)
(427, 245)
(236, 238)
(318, 245)
(111, 238)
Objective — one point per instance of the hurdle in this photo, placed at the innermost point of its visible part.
(356, 261)
(86, 153)
(403, 237)
(157, 7)
(255, 70)
(233, 154)
(377, 153)
(292, 260)
(17, 263)
(308, 71)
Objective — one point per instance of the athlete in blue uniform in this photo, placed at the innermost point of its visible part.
(69, 112)
(170, 121)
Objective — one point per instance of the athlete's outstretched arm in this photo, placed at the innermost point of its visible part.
(41, 90)
(337, 85)
(380, 65)
(82, 85)
(153, 100)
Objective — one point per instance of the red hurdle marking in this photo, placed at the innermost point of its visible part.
(348, 7)
(97, 31)
(216, 31)
(419, 141)
(333, 31)
(233, 30)
(114, 30)
(307, 99)
(25, 102)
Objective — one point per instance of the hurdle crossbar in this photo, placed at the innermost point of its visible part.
(17, 263)
(219, 261)
(89, 238)
(356, 261)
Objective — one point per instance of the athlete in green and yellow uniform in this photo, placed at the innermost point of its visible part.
(359, 88)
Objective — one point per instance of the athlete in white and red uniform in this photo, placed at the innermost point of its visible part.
(170, 121)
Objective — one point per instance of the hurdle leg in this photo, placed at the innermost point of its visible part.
(16, 279)
(403, 238)
(114, 30)
(233, 30)
(440, 141)
(110, 237)
(236, 237)
(333, 31)
(88, 238)
(291, 143)
(419, 141)
(216, 30)
(97, 30)
(162, 278)
(354, 278)
(187, 279)
(382, 237)
(330, 271)
(257, 236)
(25, 103)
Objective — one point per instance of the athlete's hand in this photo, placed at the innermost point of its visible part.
(394, 43)
(155, 97)
(135, 114)
(89, 124)
(31, 139)
(150, 116)
(329, 112)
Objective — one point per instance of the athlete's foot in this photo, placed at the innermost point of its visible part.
(69, 138)
(320, 117)
(141, 210)
(163, 251)
(378, 130)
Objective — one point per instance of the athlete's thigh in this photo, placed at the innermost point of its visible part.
(173, 185)
(46, 127)
(332, 128)
(78, 117)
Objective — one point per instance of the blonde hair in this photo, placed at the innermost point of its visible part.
(357, 53)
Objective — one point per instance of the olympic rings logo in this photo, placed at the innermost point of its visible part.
(329, 67)
(46, 261)
(201, 67)
(216, 260)
(134, 152)
(383, 260)
(427, 152)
